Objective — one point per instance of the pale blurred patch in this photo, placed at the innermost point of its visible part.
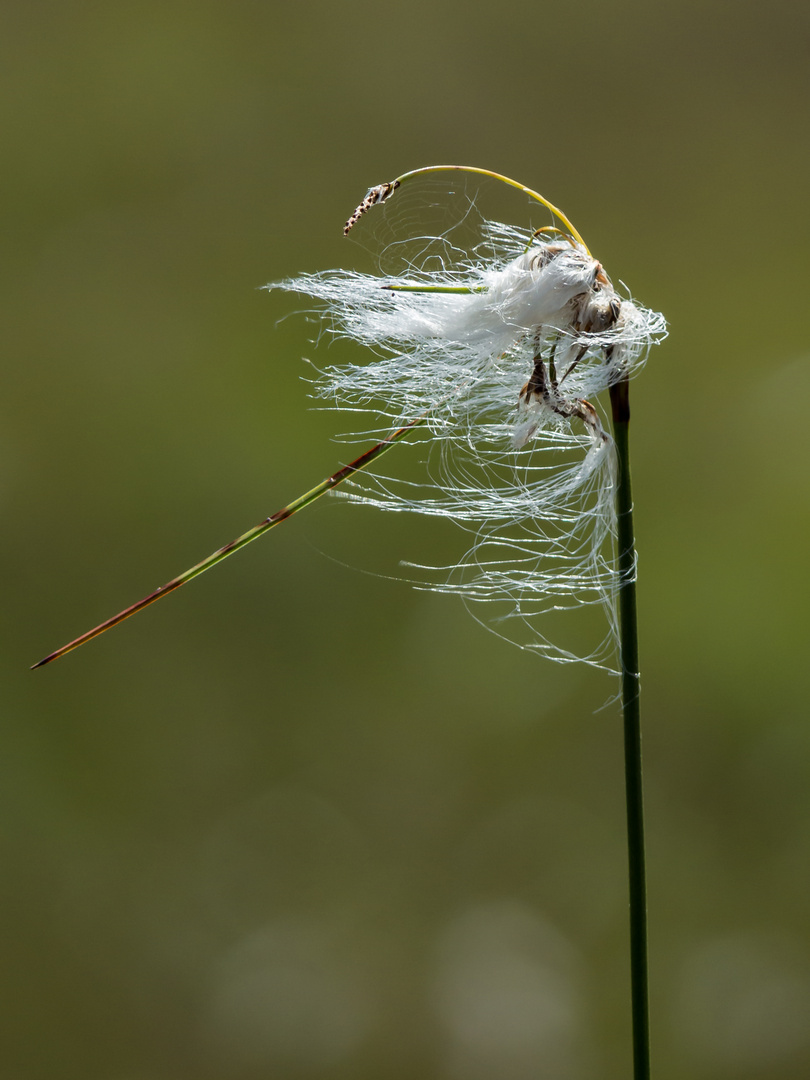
(507, 993)
(288, 995)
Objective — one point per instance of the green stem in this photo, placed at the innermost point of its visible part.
(308, 497)
(628, 629)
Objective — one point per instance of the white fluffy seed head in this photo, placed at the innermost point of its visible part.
(504, 368)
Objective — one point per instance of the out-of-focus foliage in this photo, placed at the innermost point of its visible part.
(300, 821)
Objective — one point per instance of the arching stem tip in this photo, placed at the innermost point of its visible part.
(374, 195)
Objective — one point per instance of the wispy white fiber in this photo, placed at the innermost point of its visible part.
(506, 370)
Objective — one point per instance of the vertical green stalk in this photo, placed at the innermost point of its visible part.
(628, 629)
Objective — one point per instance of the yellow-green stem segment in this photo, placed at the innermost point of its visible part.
(308, 497)
(504, 179)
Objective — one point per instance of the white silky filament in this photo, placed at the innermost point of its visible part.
(503, 354)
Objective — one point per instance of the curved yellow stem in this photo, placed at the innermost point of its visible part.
(496, 176)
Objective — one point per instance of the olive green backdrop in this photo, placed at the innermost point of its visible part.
(300, 820)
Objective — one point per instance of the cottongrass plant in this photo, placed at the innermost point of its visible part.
(530, 471)
(496, 355)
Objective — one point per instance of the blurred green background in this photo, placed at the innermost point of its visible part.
(300, 821)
